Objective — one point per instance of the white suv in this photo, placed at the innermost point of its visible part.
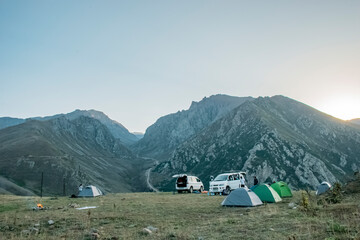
(226, 182)
(188, 183)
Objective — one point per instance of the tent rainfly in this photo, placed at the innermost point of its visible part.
(282, 189)
(322, 188)
(90, 191)
(266, 193)
(242, 197)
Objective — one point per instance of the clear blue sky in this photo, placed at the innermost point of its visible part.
(139, 60)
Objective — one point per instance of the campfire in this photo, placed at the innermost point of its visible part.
(39, 206)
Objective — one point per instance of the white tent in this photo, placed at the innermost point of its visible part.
(90, 191)
(322, 188)
(242, 197)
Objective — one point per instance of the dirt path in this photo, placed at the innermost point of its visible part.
(147, 175)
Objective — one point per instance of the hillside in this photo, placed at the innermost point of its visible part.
(75, 151)
(168, 132)
(273, 138)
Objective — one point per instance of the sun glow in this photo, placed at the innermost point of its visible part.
(343, 107)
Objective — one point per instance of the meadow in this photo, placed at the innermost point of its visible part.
(176, 216)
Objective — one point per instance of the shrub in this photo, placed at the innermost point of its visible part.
(335, 195)
(304, 201)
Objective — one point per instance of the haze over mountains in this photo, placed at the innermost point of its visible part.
(274, 138)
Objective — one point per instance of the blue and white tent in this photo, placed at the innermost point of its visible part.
(90, 191)
(242, 197)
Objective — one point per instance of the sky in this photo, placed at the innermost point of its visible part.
(139, 60)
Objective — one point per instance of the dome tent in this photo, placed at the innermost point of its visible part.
(322, 188)
(90, 191)
(282, 189)
(242, 197)
(267, 193)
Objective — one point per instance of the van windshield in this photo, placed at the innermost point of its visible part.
(221, 178)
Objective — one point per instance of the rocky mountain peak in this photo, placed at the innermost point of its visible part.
(169, 131)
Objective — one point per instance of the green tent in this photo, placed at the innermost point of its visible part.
(282, 189)
(267, 193)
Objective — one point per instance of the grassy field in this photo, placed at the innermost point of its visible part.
(177, 216)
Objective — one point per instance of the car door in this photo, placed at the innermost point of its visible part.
(236, 182)
(198, 184)
(231, 181)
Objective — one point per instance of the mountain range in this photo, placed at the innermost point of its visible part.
(116, 129)
(274, 138)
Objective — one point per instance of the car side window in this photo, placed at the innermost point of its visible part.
(198, 180)
(236, 177)
(231, 178)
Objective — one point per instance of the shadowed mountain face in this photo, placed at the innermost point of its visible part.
(168, 132)
(115, 128)
(273, 138)
(67, 151)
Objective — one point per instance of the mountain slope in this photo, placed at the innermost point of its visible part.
(169, 131)
(75, 151)
(273, 138)
(8, 122)
(116, 129)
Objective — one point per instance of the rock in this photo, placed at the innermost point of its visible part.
(271, 229)
(152, 229)
(146, 231)
(36, 230)
(292, 205)
(25, 232)
(51, 222)
(37, 225)
(74, 205)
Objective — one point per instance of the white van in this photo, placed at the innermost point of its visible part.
(226, 182)
(188, 183)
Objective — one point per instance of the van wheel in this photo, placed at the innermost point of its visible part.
(179, 191)
(191, 190)
(227, 191)
(201, 189)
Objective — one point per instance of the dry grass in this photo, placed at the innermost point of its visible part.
(177, 216)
